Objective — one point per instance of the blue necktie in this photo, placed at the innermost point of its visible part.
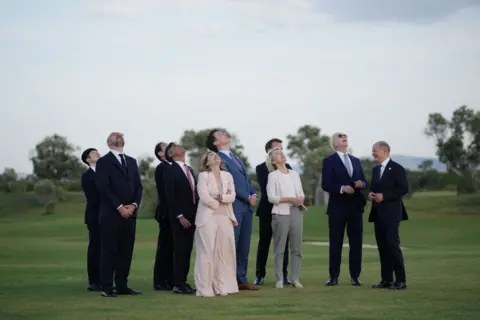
(239, 165)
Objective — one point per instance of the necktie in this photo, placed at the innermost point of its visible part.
(347, 164)
(379, 171)
(122, 159)
(236, 161)
(190, 180)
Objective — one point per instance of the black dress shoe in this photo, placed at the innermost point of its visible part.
(128, 291)
(109, 294)
(331, 282)
(182, 290)
(94, 287)
(162, 287)
(382, 285)
(259, 281)
(286, 282)
(356, 282)
(398, 286)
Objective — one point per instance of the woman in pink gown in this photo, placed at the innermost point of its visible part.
(215, 263)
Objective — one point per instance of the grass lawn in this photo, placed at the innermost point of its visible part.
(42, 272)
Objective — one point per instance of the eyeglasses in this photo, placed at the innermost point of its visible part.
(342, 135)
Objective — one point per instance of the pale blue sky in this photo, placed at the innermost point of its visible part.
(261, 68)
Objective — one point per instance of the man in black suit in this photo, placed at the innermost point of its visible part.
(264, 213)
(182, 200)
(121, 191)
(92, 209)
(389, 185)
(163, 269)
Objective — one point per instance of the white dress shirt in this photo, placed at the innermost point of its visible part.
(93, 168)
(383, 165)
(183, 165)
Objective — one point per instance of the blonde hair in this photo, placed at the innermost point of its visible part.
(204, 161)
(332, 140)
(270, 166)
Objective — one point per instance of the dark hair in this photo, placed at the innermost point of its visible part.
(210, 141)
(86, 154)
(158, 148)
(270, 142)
(167, 151)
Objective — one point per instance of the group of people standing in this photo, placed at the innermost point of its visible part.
(214, 212)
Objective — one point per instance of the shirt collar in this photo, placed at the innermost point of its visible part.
(226, 152)
(115, 152)
(181, 163)
(384, 162)
(342, 153)
(93, 168)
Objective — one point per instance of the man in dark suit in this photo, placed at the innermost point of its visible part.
(92, 209)
(163, 269)
(182, 200)
(246, 197)
(264, 213)
(389, 185)
(343, 179)
(121, 191)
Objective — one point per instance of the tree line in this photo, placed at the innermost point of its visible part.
(57, 165)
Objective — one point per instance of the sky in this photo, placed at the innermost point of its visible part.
(151, 69)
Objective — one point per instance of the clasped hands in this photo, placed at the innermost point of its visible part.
(350, 190)
(377, 197)
(297, 201)
(127, 211)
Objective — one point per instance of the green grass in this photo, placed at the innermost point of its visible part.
(42, 272)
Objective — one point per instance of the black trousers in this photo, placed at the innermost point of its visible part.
(337, 222)
(118, 241)
(391, 257)
(163, 269)
(182, 251)
(265, 237)
(93, 254)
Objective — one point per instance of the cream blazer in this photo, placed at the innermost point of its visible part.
(207, 190)
(274, 191)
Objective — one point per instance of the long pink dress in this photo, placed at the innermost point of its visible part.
(215, 264)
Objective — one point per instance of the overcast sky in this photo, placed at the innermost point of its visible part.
(261, 68)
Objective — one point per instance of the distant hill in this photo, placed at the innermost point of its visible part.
(409, 162)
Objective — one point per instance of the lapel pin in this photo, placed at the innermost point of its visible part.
(389, 168)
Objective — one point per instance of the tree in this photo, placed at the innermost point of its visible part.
(194, 143)
(458, 144)
(54, 158)
(309, 147)
(9, 175)
(145, 167)
(426, 165)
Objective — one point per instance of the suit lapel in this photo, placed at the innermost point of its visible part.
(115, 161)
(340, 163)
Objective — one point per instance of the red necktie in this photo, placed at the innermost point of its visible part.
(190, 180)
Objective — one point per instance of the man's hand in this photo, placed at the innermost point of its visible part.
(371, 196)
(124, 211)
(235, 223)
(379, 197)
(252, 200)
(348, 189)
(184, 222)
(359, 184)
(301, 199)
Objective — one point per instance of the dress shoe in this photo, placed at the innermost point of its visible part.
(383, 285)
(94, 287)
(189, 287)
(128, 291)
(355, 282)
(331, 282)
(398, 286)
(109, 294)
(182, 290)
(259, 281)
(247, 286)
(162, 287)
(286, 282)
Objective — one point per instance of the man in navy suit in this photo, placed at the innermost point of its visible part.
(343, 179)
(92, 209)
(163, 269)
(121, 191)
(219, 141)
(389, 185)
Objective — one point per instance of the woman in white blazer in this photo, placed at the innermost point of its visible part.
(215, 263)
(285, 192)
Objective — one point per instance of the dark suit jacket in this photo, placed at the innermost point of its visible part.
(116, 185)
(89, 187)
(394, 186)
(179, 193)
(334, 176)
(162, 207)
(264, 206)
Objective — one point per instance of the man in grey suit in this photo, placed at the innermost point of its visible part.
(219, 141)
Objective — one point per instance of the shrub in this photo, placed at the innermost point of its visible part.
(61, 194)
(149, 200)
(45, 191)
(71, 185)
(16, 187)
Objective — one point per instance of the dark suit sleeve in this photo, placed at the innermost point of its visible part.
(103, 183)
(262, 179)
(159, 182)
(328, 183)
(139, 186)
(362, 175)
(169, 183)
(88, 187)
(400, 188)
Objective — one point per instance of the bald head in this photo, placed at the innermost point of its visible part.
(116, 141)
(380, 151)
